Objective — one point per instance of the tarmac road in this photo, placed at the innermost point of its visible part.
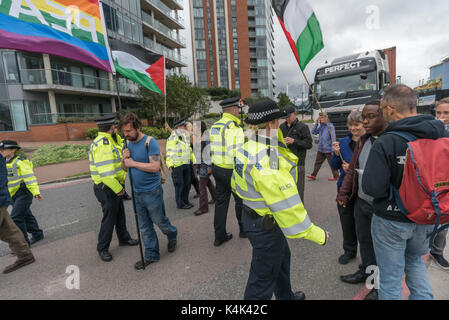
(70, 216)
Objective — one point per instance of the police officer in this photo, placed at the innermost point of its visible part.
(179, 156)
(23, 186)
(226, 136)
(264, 176)
(109, 177)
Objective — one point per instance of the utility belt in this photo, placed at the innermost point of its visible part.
(101, 186)
(267, 221)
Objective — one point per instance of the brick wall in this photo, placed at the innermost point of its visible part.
(50, 132)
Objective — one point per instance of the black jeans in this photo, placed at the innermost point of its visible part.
(363, 212)
(113, 216)
(181, 180)
(22, 216)
(347, 221)
(223, 189)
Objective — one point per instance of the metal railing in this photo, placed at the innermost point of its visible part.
(161, 49)
(163, 29)
(78, 80)
(167, 11)
(50, 118)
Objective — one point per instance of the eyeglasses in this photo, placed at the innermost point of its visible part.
(369, 116)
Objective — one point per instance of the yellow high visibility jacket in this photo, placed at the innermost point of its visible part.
(225, 138)
(264, 177)
(21, 171)
(178, 150)
(105, 162)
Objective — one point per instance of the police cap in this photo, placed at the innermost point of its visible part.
(231, 102)
(9, 144)
(264, 111)
(181, 122)
(106, 119)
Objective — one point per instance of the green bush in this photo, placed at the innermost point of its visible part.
(211, 115)
(91, 133)
(158, 133)
(51, 154)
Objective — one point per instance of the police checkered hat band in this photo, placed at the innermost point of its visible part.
(264, 111)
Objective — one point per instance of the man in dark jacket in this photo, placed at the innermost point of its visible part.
(9, 232)
(298, 139)
(399, 243)
(350, 191)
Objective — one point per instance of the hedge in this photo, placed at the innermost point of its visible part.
(158, 133)
(51, 154)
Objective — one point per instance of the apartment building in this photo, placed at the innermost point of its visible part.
(42, 89)
(233, 45)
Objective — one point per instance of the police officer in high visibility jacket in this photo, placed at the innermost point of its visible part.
(225, 137)
(108, 176)
(264, 176)
(22, 186)
(179, 155)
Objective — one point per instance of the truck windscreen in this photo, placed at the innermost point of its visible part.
(346, 86)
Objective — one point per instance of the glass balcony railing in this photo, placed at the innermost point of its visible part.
(33, 76)
(163, 29)
(167, 11)
(77, 80)
(161, 49)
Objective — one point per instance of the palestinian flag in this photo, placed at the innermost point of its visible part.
(139, 65)
(301, 28)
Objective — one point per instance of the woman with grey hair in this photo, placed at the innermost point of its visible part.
(342, 154)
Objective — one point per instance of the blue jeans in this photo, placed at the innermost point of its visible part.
(151, 210)
(399, 247)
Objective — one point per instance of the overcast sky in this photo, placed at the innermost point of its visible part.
(419, 30)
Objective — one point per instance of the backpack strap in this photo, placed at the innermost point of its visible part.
(406, 135)
(147, 142)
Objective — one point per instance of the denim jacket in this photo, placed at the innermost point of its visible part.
(325, 140)
(5, 199)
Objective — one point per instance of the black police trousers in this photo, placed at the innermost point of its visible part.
(270, 264)
(223, 189)
(113, 216)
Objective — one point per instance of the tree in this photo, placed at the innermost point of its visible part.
(183, 100)
(284, 100)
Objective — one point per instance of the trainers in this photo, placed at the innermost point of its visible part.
(440, 261)
(19, 264)
(172, 245)
(311, 177)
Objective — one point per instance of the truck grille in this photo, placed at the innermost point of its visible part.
(339, 121)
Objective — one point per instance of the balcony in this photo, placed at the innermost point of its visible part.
(174, 4)
(165, 34)
(164, 13)
(74, 83)
(173, 59)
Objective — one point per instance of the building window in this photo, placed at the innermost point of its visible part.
(10, 65)
(5, 117)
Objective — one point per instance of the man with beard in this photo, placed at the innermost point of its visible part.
(108, 176)
(143, 159)
(351, 189)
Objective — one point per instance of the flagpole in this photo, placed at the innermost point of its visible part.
(118, 95)
(165, 94)
(333, 138)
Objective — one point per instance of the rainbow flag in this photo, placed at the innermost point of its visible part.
(73, 29)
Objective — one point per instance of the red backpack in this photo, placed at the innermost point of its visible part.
(424, 192)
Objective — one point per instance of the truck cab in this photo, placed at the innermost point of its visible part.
(348, 83)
